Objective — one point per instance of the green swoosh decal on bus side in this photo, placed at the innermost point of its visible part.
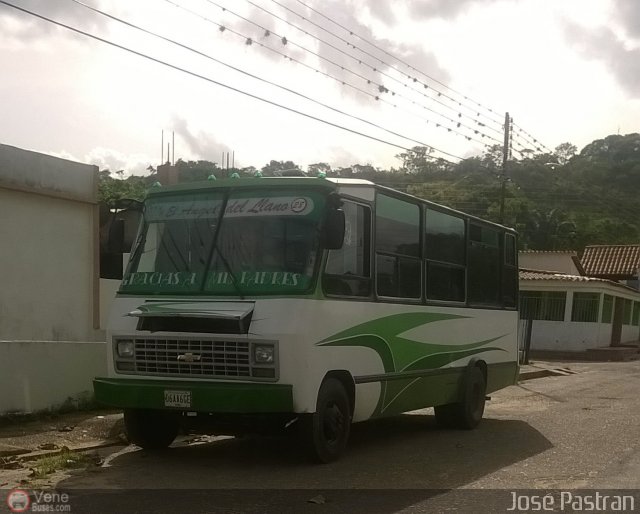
(401, 354)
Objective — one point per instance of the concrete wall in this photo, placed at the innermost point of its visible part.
(49, 299)
(572, 336)
(42, 375)
(49, 235)
(560, 262)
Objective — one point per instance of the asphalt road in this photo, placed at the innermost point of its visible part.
(563, 433)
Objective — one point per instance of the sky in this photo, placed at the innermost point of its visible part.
(337, 81)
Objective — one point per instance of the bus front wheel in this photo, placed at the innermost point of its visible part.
(326, 432)
(151, 429)
(467, 413)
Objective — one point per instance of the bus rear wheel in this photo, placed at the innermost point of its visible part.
(467, 413)
(326, 432)
(151, 429)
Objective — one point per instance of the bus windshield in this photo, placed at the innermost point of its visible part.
(263, 243)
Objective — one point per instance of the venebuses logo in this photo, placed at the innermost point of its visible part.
(18, 500)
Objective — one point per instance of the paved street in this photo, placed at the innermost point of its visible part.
(567, 432)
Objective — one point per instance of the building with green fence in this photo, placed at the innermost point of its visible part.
(574, 313)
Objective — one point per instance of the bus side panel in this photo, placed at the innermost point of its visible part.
(367, 396)
(413, 393)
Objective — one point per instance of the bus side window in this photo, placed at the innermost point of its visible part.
(348, 270)
(510, 272)
(398, 254)
(445, 251)
(484, 266)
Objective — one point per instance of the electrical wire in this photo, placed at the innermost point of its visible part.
(535, 141)
(196, 75)
(288, 90)
(352, 33)
(374, 68)
(377, 97)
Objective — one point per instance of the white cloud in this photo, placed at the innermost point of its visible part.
(67, 92)
(113, 160)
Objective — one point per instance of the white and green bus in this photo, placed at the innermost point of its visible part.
(307, 303)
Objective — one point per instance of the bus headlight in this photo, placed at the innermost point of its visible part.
(263, 354)
(125, 349)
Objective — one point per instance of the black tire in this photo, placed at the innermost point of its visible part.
(467, 413)
(151, 429)
(326, 432)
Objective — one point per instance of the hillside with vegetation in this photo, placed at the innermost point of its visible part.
(563, 200)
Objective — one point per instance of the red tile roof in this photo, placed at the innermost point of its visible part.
(620, 261)
(532, 274)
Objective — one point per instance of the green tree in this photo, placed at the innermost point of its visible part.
(275, 167)
(319, 167)
(194, 171)
(111, 189)
(564, 152)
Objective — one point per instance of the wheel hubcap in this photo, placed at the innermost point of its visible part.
(333, 423)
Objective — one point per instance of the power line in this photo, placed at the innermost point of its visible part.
(360, 61)
(374, 68)
(352, 33)
(539, 146)
(531, 139)
(202, 77)
(288, 90)
(381, 88)
(224, 28)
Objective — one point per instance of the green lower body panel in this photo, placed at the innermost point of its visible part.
(427, 388)
(224, 397)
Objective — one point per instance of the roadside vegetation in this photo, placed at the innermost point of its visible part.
(561, 200)
(66, 459)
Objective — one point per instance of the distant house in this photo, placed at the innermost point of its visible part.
(619, 263)
(574, 313)
(580, 304)
(561, 261)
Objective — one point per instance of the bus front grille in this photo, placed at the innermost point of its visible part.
(192, 357)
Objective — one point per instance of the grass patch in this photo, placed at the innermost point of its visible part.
(66, 459)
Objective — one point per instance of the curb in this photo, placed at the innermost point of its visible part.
(38, 454)
(530, 375)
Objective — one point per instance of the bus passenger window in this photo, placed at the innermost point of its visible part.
(398, 273)
(348, 270)
(484, 266)
(445, 250)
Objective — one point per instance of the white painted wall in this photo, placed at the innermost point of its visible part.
(565, 336)
(560, 262)
(49, 299)
(629, 334)
(571, 336)
(48, 262)
(42, 375)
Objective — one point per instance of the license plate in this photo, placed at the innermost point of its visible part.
(177, 399)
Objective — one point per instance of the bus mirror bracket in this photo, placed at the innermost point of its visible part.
(115, 236)
(334, 229)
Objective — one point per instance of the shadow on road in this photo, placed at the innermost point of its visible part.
(405, 452)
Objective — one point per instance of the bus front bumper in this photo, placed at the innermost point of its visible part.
(194, 396)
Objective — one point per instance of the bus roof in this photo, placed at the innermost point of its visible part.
(237, 183)
(328, 183)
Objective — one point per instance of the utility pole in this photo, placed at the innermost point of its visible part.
(505, 157)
